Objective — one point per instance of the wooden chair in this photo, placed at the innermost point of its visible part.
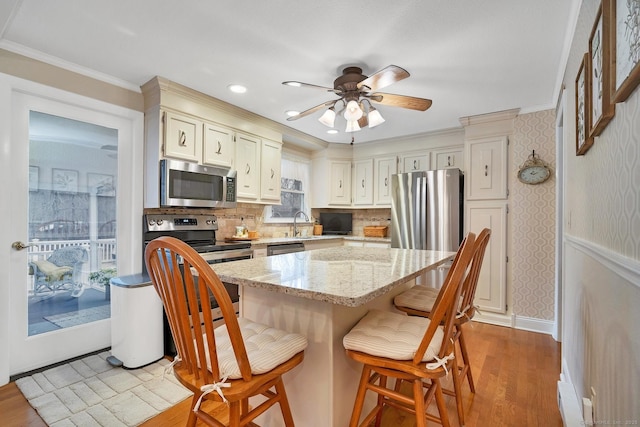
(230, 363)
(409, 348)
(419, 301)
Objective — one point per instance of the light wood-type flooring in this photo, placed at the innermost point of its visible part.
(515, 374)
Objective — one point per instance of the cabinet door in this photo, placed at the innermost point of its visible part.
(447, 159)
(415, 162)
(182, 137)
(218, 146)
(270, 171)
(385, 167)
(487, 168)
(340, 192)
(492, 283)
(248, 166)
(363, 182)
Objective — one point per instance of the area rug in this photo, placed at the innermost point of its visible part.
(80, 317)
(91, 392)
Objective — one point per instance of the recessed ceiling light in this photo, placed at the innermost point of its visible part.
(237, 88)
(332, 131)
(292, 113)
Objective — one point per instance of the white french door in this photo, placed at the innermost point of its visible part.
(70, 190)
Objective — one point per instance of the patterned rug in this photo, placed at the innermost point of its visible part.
(90, 392)
(80, 317)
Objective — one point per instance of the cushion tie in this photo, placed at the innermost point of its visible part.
(440, 362)
(169, 367)
(208, 388)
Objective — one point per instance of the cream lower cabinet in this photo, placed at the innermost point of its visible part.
(491, 294)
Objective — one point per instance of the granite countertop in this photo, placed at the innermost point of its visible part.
(345, 275)
(263, 241)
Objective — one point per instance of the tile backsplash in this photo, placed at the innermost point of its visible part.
(253, 215)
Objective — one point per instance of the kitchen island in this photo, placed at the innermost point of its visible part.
(322, 294)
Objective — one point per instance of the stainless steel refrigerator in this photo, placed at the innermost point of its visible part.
(427, 210)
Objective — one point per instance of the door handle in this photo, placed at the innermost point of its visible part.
(18, 246)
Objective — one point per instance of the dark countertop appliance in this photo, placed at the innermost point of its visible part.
(336, 223)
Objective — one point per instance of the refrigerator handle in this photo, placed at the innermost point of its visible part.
(421, 214)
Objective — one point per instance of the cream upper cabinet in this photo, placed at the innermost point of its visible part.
(384, 168)
(270, 170)
(486, 161)
(363, 182)
(412, 162)
(247, 164)
(447, 159)
(218, 147)
(340, 190)
(182, 137)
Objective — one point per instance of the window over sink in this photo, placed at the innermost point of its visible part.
(294, 194)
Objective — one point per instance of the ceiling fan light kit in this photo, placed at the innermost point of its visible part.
(356, 90)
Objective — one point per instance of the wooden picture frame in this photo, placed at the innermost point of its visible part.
(64, 180)
(584, 140)
(602, 109)
(625, 47)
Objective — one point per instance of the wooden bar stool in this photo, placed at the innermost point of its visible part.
(230, 363)
(415, 349)
(419, 301)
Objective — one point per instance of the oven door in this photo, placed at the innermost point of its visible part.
(234, 294)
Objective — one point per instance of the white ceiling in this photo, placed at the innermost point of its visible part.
(469, 57)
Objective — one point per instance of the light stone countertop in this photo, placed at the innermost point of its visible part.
(345, 275)
(264, 241)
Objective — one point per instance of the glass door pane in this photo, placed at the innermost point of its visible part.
(73, 169)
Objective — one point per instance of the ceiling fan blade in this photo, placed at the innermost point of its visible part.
(403, 101)
(312, 110)
(300, 84)
(384, 78)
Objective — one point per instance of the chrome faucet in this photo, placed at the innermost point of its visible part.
(295, 226)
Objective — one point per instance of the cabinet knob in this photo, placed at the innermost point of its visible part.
(248, 169)
(219, 148)
(448, 160)
(182, 139)
(272, 173)
(363, 183)
(340, 184)
(386, 182)
(486, 170)
(415, 165)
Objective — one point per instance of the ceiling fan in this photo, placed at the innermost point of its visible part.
(356, 92)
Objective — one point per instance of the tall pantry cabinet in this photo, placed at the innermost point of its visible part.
(486, 205)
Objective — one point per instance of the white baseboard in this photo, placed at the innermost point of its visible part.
(534, 325)
(569, 407)
(493, 319)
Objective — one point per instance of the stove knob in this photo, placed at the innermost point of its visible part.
(152, 222)
(210, 221)
(159, 222)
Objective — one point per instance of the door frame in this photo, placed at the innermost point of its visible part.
(129, 213)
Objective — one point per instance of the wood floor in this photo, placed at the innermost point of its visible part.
(515, 374)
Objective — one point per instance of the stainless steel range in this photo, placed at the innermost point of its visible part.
(199, 232)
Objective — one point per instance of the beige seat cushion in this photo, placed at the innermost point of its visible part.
(267, 348)
(393, 335)
(52, 271)
(418, 298)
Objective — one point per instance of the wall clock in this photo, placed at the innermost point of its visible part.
(534, 170)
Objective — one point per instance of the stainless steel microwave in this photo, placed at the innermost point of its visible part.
(185, 184)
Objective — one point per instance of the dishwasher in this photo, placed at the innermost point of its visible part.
(284, 248)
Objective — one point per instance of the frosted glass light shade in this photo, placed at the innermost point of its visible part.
(352, 111)
(328, 118)
(375, 118)
(352, 126)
